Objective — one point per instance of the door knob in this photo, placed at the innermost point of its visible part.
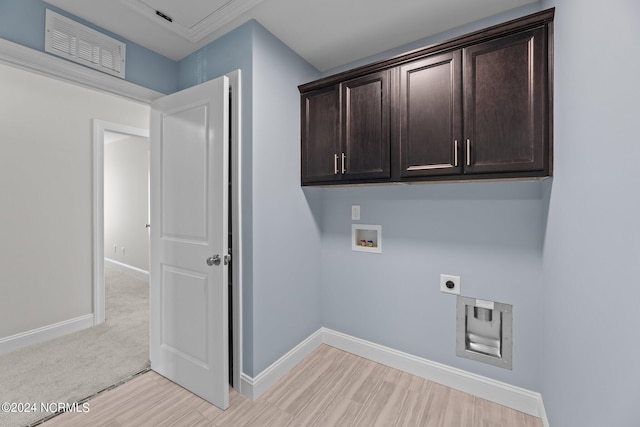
(213, 260)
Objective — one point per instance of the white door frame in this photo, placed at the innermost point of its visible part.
(235, 146)
(99, 129)
(22, 57)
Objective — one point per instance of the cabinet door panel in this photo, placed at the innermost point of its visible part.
(320, 135)
(505, 94)
(365, 115)
(431, 116)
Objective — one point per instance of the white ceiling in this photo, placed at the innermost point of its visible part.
(327, 33)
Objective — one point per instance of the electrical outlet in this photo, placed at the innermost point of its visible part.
(450, 284)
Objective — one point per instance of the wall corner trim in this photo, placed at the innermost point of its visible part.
(498, 392)
(45, 333)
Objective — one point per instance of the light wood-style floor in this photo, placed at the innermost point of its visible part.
(329, 388)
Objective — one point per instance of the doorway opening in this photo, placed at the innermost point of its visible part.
(126, 203)
(105, 132)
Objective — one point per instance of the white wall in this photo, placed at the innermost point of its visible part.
(126, 201)
(46, 196)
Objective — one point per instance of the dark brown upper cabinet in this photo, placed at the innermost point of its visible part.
(345, 131)
(320, 120)
(365, 126)
(475, 107)
(505, 119)
(431, 116)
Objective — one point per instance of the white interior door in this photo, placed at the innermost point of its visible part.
(189, 239)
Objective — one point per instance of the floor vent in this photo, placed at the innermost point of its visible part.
(79, 43)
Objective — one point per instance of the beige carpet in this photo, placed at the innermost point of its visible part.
(78, 365)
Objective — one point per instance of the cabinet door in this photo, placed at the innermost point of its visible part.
(366, 138)
(431, 116)
(505, 96)
(320, 124)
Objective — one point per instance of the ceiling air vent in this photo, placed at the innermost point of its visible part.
(79, 43)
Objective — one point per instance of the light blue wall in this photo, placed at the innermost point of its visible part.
(286, 233)
(22, 22)
(491, 234)
(231, 52)
(281, 240)
(591, 358)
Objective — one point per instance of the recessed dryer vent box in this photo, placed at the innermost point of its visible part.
(484, 331)
(366, 238)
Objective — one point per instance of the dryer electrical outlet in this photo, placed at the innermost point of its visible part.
(450, 284)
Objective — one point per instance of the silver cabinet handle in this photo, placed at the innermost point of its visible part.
(213, 260)
(455, 153)
(335, 164)
(468, 152)
(343, 159)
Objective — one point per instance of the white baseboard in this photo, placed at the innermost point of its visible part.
(255, 387)
(498, 392)
(504, 394)
(125, 268)
(35, 336)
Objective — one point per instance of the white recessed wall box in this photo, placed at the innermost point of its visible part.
(366, 238)
(71, 40)
(484, 331)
